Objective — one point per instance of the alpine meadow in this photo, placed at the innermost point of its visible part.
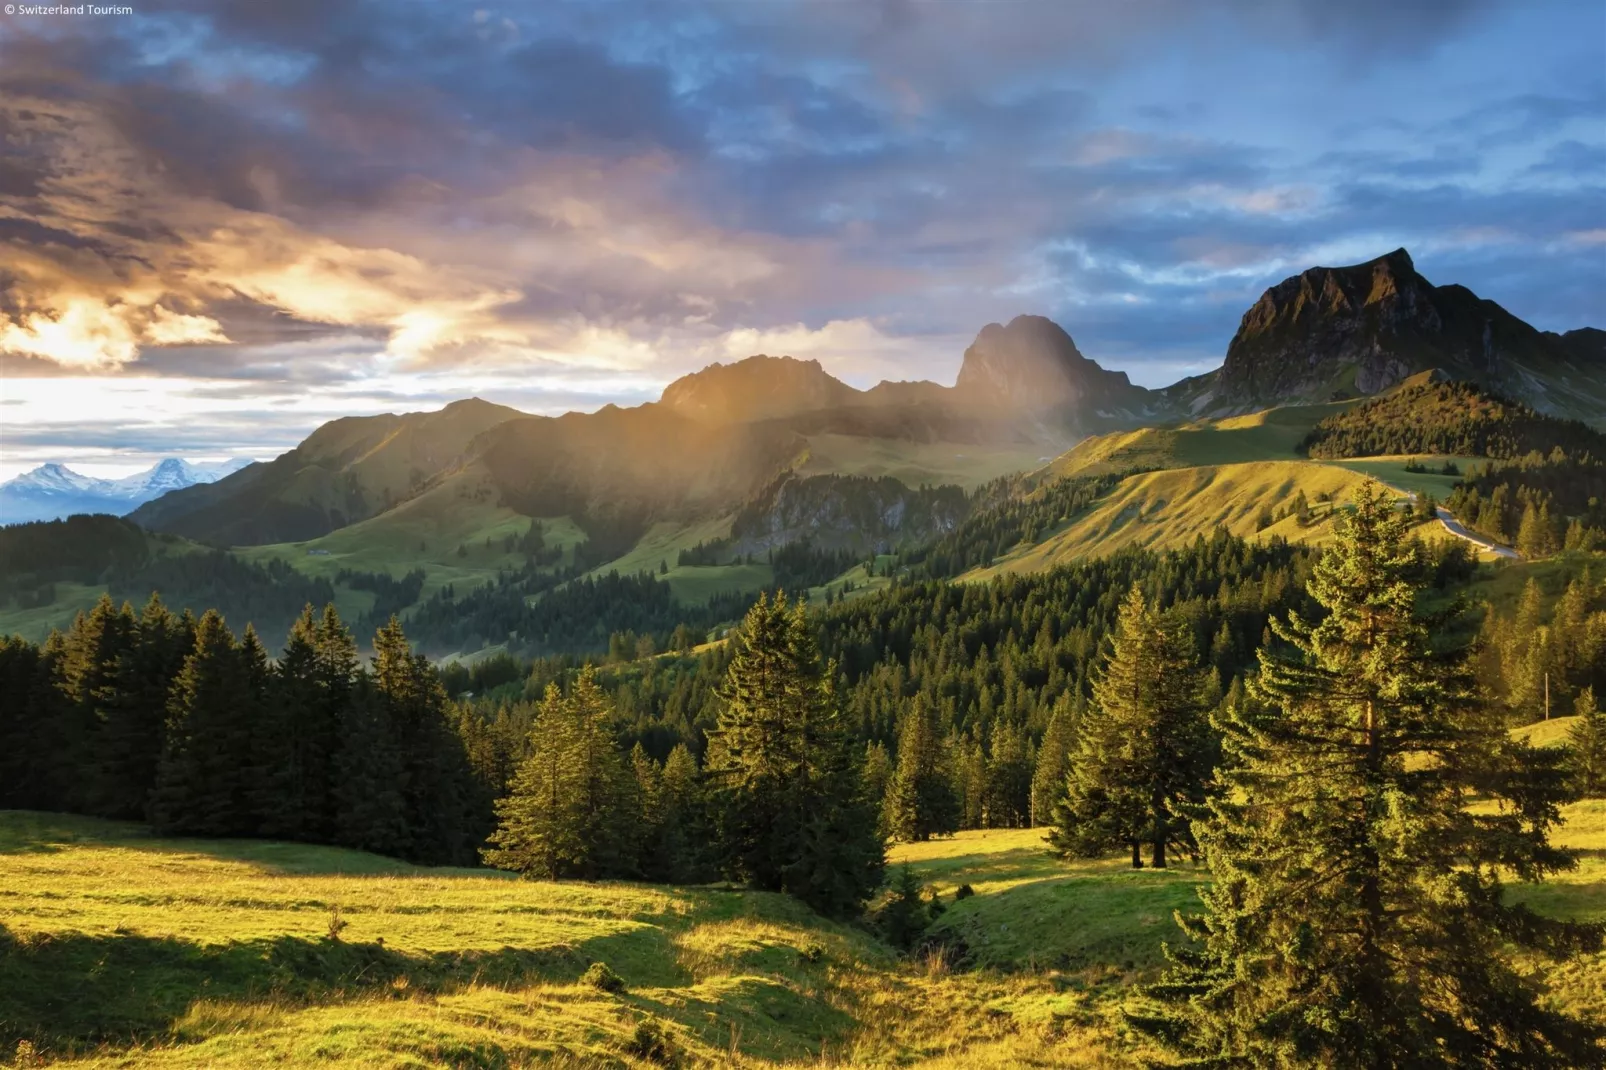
(578, 534)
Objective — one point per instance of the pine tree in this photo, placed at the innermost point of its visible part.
(1053, 761)
(685, 829)
(93, 657)
(920, 801)
(300, 734)
(1587, 746)
(1533, 535)
(436, 780)
(793, 811)
(1145, 752)
(878, 773)
(129, 745)
(536, 834)
(1356, 917)
(366, 797)
(1008, 795)
(569, 811)
(203, 783)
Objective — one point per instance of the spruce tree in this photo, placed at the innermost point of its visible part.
(368, 806)
(793, 811)
(1356, 917)
(536, 832)
(920, 800)
(1144, 752)
(1053, 761)
(1008, 795)
(203, 782)
(1587, 746)
(436, 781)
(129, 745)
(685, 830)
(93, 658)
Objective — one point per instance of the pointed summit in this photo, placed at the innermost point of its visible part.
(1032, 366)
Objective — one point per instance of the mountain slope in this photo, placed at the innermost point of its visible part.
(1339, 332)
(54, 491)
(345, 471)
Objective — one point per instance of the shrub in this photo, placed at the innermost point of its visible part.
(600, 975)
(651, 1042)
(965, 892)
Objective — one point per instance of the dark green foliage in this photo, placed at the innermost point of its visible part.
(1564, 493)
(600, 975)
(1144, 750)
(650, 1041)
(1456, 418)
(205, 783)
(920, 800)
(1356, 917)
(1053, 760)
(905, 916)
(1587, 745)
(1008, 512)
(128, 742)
(793, 814)
(569, 811)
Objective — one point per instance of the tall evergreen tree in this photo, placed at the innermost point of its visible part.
(367, 797)
(920, 800)
(1053, 761)
(203, 782)
(1008, 795)
(1587, 746)
(536, 832)
(793, 812)
(1356, 917)
(436, 779)
(129, 743)
(95, 652)
(1144, 752)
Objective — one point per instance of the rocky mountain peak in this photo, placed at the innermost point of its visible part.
(1032, 365)
(758, 388)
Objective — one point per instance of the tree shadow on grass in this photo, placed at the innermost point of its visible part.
(70, 992)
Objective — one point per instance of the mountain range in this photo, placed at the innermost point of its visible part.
(1024, 392)
(53, 491)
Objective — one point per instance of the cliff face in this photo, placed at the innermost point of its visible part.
(1341, 332)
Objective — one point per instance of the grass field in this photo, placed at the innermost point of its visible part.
(1170, 508)
(118, 949)
(1261, 436)
(912, 463)
(426, 533)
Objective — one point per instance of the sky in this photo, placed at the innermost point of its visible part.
(223, 224)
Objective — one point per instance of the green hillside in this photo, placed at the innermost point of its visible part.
(1170, 508)
(120, 949)
(457, 533)
(235, 953)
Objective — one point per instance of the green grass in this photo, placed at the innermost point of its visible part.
(121, 949)
(34, 624)
(912, 463)
(1263, 436)
(1170, 508)
(1391, 471)
(426, 533)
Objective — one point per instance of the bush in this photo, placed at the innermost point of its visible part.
(600, 975)
(965, 892)
(651, 1042)
(904, 917)
(811, 953)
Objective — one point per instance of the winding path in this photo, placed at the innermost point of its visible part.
(1456, 528)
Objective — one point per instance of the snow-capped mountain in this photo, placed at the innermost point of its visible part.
(52, 491)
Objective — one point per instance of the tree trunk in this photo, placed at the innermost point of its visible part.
(1137, 857)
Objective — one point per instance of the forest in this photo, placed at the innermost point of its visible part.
(1192, 703)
